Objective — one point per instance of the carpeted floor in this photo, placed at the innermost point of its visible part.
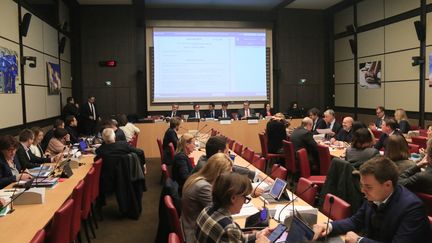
(115, 228)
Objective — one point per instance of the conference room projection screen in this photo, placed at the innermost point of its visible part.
(209, 64)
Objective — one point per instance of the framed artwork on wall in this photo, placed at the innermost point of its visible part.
(9, 78)
(370, 75)
(54, 78)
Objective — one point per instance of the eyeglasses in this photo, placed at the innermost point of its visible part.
(247, 199)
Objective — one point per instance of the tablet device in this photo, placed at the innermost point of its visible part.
(82, 145)
(278, 188)
(258, 220)
(277, 232)
(299, 231)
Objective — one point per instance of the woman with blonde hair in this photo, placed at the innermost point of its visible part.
(181, 166)
(197, 191)
(402, 120)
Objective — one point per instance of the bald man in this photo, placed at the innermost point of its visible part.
(345, 134)
(302, 137)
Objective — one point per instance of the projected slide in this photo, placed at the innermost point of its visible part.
(209, 65)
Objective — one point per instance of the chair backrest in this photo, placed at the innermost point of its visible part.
(414, 127)
(339, 210)
(173, 238)
(160, 146)
(173, 216)
(263, 143)
(96, 180)
(376, 133)
(172, 150)
(414, 148)
(278, 171)
(325, 159)
(290, 162)
(61, 223)
(306, 190)
(230, 143)
(39, 237)
(87, 194)
(238, 148)
(77, 195)
(165, 172)
(255, 158)
(427, 200)
(303, 163)
(423, 132)
(248, 154)
(260, 164)
(420, 141)
(134, 141)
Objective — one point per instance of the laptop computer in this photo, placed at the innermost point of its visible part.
(277, 192)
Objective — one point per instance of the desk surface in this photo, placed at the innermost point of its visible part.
(26, 220)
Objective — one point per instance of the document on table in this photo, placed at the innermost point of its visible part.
(324, 131)
(246, 210)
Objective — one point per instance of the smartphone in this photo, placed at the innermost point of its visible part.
(277, 232)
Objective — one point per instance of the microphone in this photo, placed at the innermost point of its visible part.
(253, 193)
(38, 174)
(331, 201)
(13, 193)
(196, 134)
(292, 201)
(27, 187)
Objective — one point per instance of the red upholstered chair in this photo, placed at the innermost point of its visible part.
(413, 148)
(427, 199)
(86, 203)
(238, 148)
(305, 168)
(173, 238)
(160, 146)
(77, 195)
(255, 158)
(134, 141)
(248, 154)
(306, 191)
(339, 210)
(290, 161)
(264, 149)
(61, 223)
(414, 127)
(95, 191)
(420, 141)
(39, 237)
(278, 171)
(230, 143)
(376, 133)
(214, 132)
(165, 172)
(173, 216)
(423, 132)
(325, 159)
(172, 151)
(260, 164)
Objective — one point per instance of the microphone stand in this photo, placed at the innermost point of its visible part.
(331, 201)
(292, 201)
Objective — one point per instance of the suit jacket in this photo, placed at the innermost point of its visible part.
(402, 219)
(169, 114)
(336, 127)
(345, 136)
(86, 112)
(378, 122)
(241, 113)
(192, 114)
(169, 137)
(181, 169)
(219, 113)
(73, 134)
(70, 110)
(120, 135)
(6, 176)
(417, 180)
(302, 138)
(275, 130)
(30, 161)
(264, 113)
(211, 114)
(383, 140)
(116, 150)
(404, 126)
(320, 124)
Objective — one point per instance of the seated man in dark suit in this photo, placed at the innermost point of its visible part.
(196, 113)
(302, 137)
(223, 112)
(389, 127)
(330, 120)
(345, 134)
(391, 213)
(26, 158)
(110, 123)
(174, 111)
(211, 113)
(246, 111)
(318, 122)
(380, 113)
(276, 132)
(170, 136)
(58, 123)
(71, 125)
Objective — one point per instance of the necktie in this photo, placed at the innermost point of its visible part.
(212, 114)
(94, 112)
(197, 115)
(224, 114)
(247, 113)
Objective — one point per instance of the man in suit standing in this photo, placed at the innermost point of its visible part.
(318, 122)
(246, 111)
(89, 116)
(391, 213)
(223, 112)
(330, 120)
(196, 113)
(389, 127)
(211, 112)
(302, 137)
(174, 111)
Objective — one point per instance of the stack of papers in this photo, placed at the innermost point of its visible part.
(246, 210)
(288, 211)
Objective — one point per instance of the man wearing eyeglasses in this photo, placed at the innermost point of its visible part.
(380, 113)
(391, 213)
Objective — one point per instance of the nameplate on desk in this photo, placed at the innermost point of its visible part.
(225, 122)
(35, 195)
(252, 121)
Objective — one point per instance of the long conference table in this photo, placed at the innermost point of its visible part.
(22, 224)
(242, 131)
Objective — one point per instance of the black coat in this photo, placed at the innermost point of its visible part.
(118, 149)
(382, 142)
(70, 110)
(169, 137)
(26, 162)
(302, 138)
(219, 113)
(320, 124)
(181, 169)
(276, 132)
(6, 176)
(73, 134)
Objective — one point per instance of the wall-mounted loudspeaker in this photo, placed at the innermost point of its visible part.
(62, 45)
(353, 45)
(420, 30)
(25, 24)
